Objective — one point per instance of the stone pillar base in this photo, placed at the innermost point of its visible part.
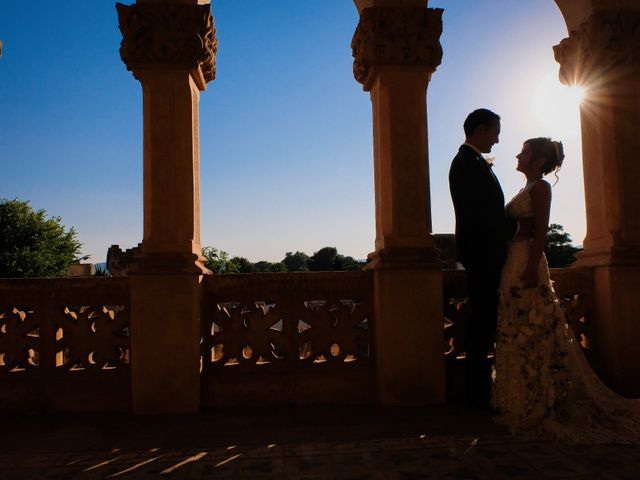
(615, 335)
(608, 256)
(409, 336)
(165, 343)
(169, 264)
(405, 258)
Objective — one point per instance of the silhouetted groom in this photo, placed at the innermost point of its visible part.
(482, 232)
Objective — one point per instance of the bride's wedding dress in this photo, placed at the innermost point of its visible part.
(543, 383)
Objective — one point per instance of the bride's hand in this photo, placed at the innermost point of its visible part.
(529, 278)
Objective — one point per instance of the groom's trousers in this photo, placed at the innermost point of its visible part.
(483, 283)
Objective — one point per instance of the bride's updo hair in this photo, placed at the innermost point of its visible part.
(551, 151)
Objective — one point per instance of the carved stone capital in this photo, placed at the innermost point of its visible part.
(169, 35)
(397, 36)
(603, 43)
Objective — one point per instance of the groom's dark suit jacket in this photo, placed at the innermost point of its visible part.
(482, 228)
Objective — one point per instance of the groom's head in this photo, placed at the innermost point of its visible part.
(482, 129)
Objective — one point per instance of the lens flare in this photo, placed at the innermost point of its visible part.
(556, 107)
(576, 93)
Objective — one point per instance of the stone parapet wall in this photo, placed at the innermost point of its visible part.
(267, 339)
(64, 345)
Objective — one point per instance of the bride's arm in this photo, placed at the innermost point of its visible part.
(541, 196)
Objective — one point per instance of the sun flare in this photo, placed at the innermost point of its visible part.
(556, 107)
(576, 93)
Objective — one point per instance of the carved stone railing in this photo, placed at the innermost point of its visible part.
(573, 286)
(267, 339)
(456, 315)
(64, 344)
(287, 338)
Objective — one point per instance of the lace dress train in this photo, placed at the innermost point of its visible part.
(544, 386)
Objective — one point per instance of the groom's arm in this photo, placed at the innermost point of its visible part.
(512, 228)
(463, 193)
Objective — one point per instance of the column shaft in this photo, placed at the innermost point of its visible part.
(171, 164)
(396, 49)
(398, 99)
(170, 47)
(602, 56)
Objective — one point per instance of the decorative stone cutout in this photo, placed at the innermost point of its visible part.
(19, 340)
(254, 333)
(92, 337)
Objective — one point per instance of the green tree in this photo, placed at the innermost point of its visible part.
(216, 260)
(324, 259)
(242, 265)
(347, 263)
(328, 258)
(264, 266)
(559, 249)
(296, 262)
(32, 245)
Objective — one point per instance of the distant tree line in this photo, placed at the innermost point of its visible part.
(325, 259)
(35, 245)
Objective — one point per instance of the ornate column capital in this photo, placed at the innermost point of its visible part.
(168, 35)
(608, 40)
(397, 36)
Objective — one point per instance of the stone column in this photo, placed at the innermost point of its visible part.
(396, 49)
(603, 56)
(170, 48)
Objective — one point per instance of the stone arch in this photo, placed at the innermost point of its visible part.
(574, 12)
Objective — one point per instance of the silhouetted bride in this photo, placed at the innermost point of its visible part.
(544, 385)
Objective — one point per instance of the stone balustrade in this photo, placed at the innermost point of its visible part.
(65, 344)
(288, 338)
(267, 339)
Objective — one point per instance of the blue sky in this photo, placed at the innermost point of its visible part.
(286, 141)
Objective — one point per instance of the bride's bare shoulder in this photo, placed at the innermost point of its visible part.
(541, 186)
(540, 190)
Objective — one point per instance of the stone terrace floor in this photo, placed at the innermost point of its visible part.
(309, 443)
